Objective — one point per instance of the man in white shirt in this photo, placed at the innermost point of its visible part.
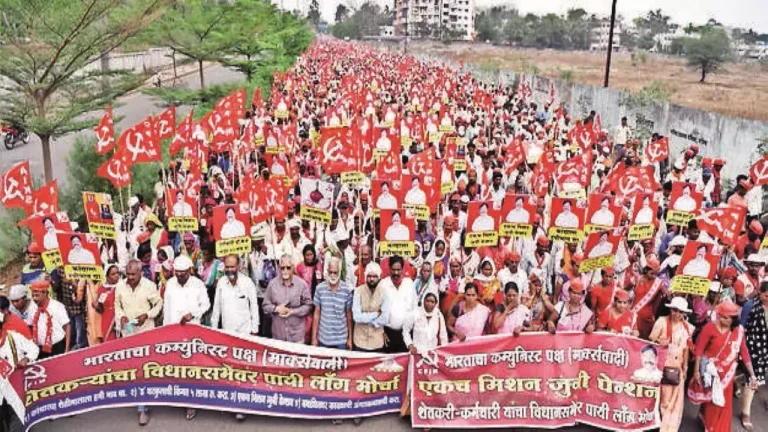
(17, 351)
(54, 339)
(699, 266)
(645, 214)
(383, 144)
(483, 222)
(566, 219)
(415, 196)
(402, 300)
(78, 254)
(623, 133)
(385, 200)
(519, 215)
(397, 231)
(50, 241)
(513, 273)
(685, 203)
(602, 248)
(181, 208)
(235, 304)
(21, 305)
(232, 228)
(186, 299)
(603, 216)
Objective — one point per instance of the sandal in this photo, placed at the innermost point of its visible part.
(746, 423)
(191, 413)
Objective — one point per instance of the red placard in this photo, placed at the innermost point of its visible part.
(567, 213)
(698, 260)
(396, 226)
(483, 216)
(231, 221)
(79, 249)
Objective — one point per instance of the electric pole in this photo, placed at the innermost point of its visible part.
(610, 45)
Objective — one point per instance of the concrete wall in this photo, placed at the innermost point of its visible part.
(718, 136)
(151, 59)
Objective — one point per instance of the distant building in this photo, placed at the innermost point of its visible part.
(455, 15)
(601, 33)
(663, 41)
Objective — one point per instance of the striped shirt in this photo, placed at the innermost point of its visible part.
(333, 305)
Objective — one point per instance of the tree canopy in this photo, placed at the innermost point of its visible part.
(708, 52)
(48, 47)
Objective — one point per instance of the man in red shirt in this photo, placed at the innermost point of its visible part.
(746, 284)
(11, 321)
(752, 236)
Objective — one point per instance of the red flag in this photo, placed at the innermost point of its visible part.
(658, 150)
(337, 153)
(723, 223)
(46, 199)
(577, 169)
(597, 125)
(166, 123)
(390, 167)
(183, 137)
(582, 136)
(224, 134)
(139, 143)
(759, 172)
(514, 154)
(17, 186)
(105, 133)
(257, 100)
(116, 169)
(627, 182)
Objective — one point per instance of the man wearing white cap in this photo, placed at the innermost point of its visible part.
(21, 305)
(235, 304)
(185, 301)
(293, 244)
(370, 309)
(16, 351)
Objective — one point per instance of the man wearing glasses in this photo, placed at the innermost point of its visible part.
(288, 301)
(332, 322)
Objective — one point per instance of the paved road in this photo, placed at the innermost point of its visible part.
(172, 420)
(134, 107)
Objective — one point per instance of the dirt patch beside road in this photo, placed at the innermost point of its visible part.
(739, 91)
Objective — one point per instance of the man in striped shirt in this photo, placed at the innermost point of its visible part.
(332, 322)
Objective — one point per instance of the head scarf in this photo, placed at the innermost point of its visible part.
(479, 273)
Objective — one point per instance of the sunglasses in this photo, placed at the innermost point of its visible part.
(286, 268)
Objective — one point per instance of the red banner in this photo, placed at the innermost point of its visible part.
(198, 367)
(537, 380)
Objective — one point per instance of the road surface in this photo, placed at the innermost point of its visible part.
(133, 107)
(168, 419)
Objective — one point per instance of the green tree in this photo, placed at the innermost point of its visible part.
(314, 12)
(194, 28)
(708, 52)
(48, 45)
(578, 28)
(342, 13)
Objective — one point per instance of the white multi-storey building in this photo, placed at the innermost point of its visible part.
(456, 15)
(601, 33)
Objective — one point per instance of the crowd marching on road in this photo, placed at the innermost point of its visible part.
(396, 206)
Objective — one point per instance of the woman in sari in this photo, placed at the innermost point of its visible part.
(488, 284)
(311, 272)
(511, 316)
(718, 349)
(675, 333)
(425, 283)
(452, 287)
(105, 303)
(618, 318)
(572, 314)
(538, 301)
(756, 329)
(439, 258)
(469, 317)
(158, 237)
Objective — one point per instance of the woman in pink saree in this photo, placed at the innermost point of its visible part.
(469, 317)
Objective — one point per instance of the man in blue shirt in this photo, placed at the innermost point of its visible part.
(34, 270)
(332, 320)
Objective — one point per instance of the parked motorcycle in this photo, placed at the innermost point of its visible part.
(14, 135)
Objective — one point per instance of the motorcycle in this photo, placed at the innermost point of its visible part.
(14, 135)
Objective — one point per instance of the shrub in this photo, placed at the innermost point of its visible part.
(566, 75)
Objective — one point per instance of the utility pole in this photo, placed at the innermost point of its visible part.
(610, 44)
(407, 12)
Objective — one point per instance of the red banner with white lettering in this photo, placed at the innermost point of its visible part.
(537, 380)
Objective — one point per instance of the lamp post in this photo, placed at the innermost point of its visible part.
(610, 45)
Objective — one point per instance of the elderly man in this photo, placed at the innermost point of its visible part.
(185, 301)
(50, 325)
(288, 301)
(332, 320)
(294, 243)
(17, 351)
(370, 309)
(137, 304)
(21, 305)
(402, 298)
